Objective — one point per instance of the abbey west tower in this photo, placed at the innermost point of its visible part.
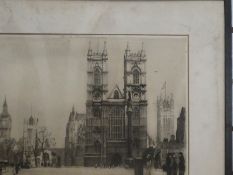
(106, 122)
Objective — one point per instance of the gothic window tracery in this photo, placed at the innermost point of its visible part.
(136, 74)
(97, 76)
(116, 123)
(97, 112)
(136, 112)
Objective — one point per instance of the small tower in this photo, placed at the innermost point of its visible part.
(135, 89)
(5, 107)
(135, 74)
(97, 74)
(30, 139)
(165, 116)
(5, 122)
(97, 88)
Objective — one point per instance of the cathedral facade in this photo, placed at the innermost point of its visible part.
(5, 123)
(106, 116)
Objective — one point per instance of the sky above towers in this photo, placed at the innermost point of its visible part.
(48, 73)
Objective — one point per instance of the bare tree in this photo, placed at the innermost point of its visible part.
(44, 141)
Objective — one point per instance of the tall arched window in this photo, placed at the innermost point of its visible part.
(116, 123)
(135, 76)
(97, 76)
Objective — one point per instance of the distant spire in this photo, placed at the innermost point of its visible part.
(127, 46)
(105, 49)
(127, 50)
(5, 102)
(31, 109)
(5, 107)
(143, 51)
(89, 52)
(105, 45)
(89, 45)
(73, 109)
(97, 46)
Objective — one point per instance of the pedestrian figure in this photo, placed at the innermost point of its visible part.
(13, 170)
(148, 168)
(157, 163)
(174, 165)
(16, 168)
(168, 164)
(181, 164)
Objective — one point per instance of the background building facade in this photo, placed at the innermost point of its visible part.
(177, 143)
(165, 117)
(5, 123)
(75, 139)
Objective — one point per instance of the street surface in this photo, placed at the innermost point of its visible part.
(83, 171)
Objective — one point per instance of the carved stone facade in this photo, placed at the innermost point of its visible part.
(106, 122)
(74, 140)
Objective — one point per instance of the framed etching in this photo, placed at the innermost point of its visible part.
(115, 87)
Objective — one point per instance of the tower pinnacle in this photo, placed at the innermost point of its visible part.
(5, 102)
(127, 47)
(89, 52)
(73, 109)
(5, 107)
(105, 49)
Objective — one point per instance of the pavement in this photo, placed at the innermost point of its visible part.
(84, 171)
(8, 171)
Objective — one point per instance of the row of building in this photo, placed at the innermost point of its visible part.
(27, 143)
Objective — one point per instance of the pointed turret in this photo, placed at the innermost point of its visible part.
(5, 106)
(73, 110)
(127, 47)
(31, 120)
(5, 109)
(89, 52)
(143, 54)
(105, 49)
(127, 50)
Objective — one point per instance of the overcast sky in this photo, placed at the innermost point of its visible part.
(49, 74)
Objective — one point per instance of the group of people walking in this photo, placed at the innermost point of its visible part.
(175, 164)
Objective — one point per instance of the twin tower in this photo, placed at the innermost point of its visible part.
(107, 129)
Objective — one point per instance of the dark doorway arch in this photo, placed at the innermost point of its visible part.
(116, 159)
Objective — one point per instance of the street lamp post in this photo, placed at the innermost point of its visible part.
(129, 115)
